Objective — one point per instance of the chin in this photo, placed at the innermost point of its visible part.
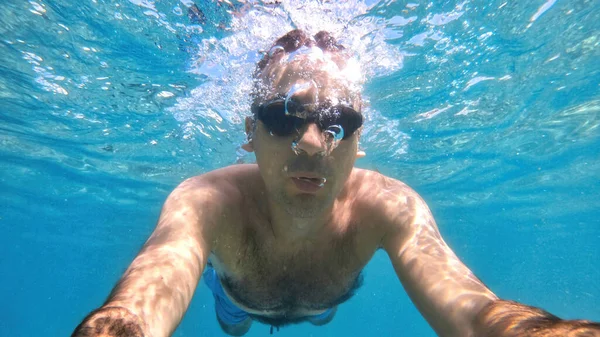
(303, 205)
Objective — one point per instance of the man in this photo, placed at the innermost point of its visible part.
(284, 241)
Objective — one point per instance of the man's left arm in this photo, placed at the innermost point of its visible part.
(450, 297)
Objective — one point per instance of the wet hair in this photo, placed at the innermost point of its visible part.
(298, 38)
(293, 41)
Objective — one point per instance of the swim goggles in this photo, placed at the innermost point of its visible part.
(283, 117)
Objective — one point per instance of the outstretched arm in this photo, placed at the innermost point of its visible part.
(450, 297)
(155, 291)
(444, 290)
(512, 319)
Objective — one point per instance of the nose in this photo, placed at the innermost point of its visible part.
(311, 141)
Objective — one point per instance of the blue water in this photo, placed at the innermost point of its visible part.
(489, 109)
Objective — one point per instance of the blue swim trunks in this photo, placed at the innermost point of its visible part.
(228, 312)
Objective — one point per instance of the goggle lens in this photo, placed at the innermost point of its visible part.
(339, 121)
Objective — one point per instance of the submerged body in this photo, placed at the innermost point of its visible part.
(288, 237)
(281, 281)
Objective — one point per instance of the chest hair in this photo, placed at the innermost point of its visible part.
(308, 275)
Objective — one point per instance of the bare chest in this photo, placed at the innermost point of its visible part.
(307, 277)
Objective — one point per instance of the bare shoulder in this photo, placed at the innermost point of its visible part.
(390, 201)
(221, 186)
(444, 290)
(379, 183)
(211, 198)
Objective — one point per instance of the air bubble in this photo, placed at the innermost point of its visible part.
(295, 148)
(275, 50)
(314, 53)
(336, 132)
(333, 136)
(296, 88)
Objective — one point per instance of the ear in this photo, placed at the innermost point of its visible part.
(360, 153)
(249, 125)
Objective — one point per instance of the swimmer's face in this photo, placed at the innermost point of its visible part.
(305, 170)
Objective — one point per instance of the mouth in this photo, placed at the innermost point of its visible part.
(318, 181)
(308, 184)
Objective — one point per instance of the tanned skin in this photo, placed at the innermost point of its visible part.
(286, 252)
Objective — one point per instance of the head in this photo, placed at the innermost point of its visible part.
(306, 121)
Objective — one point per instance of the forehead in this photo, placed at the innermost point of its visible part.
(312, 74)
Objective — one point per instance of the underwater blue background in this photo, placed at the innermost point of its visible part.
(489, 109)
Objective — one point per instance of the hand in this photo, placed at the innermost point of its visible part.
(511, 319)
(110, 322)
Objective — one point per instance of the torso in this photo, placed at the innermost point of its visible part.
(267, 283)
(270, 278)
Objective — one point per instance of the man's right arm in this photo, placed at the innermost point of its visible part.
(155, 291)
